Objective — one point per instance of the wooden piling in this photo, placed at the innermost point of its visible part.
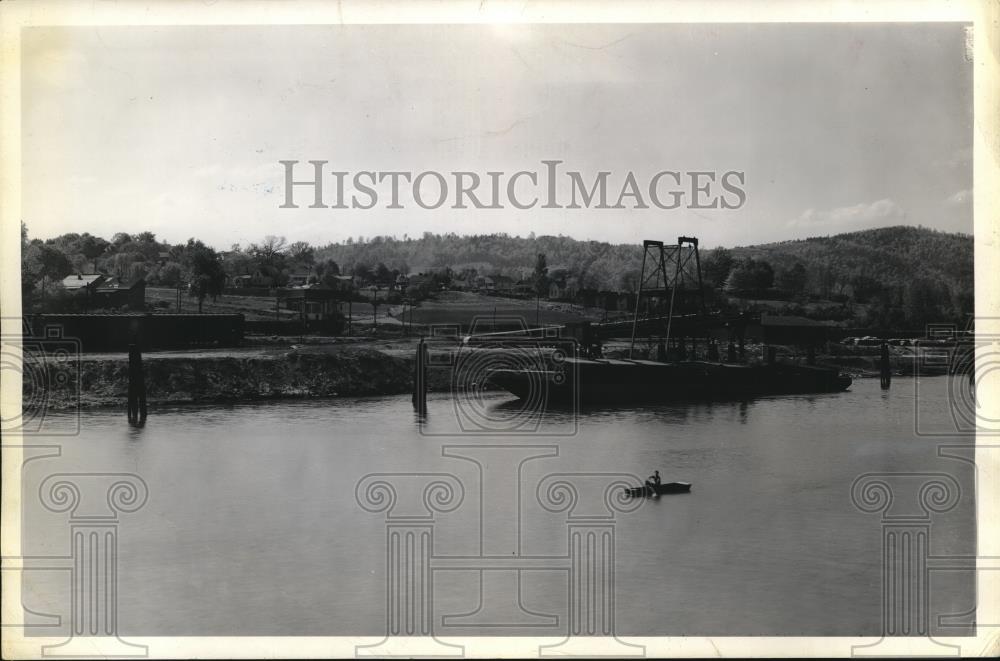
(420, 379)
(136, 405)
(886, 374)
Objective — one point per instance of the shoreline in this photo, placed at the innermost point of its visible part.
(270, 372)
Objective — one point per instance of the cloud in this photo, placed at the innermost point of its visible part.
(881, 213)
(959, 199)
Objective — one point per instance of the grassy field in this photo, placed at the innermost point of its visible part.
(479, 311)
(450, 307)
(254, 307)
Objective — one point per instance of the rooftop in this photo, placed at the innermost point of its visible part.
(81, 280)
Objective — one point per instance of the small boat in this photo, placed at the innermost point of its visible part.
(658, 489)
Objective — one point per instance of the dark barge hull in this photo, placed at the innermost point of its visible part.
(604, 381)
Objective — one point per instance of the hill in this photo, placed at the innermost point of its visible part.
(897, 275)
(891, 257)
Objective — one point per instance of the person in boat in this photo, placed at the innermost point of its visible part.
(653, 480)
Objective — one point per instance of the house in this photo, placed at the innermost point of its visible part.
(83, 281)
(298, 279)
(312, 302)
(99, 291)
(341, 283)
(485, 283)
(503, 284)
(257, 279)
(116, 293)
(556, 290)
(420, 281)
(402, 282)
(524, 288)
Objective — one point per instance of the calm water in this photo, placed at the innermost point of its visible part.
(252, 524)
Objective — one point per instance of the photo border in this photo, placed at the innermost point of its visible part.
(16, 15)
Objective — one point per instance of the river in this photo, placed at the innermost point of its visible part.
(253, 524)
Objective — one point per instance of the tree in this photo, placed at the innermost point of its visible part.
(170, 274)
(920, 303)
(865, 287)
(741, 277)
(203, 270)
(793, 280)
(541, 275)
(270, 251)
(53, 264)
(327, 269)
(302, 254)
(716, 266)
(629, 281)
(362, 272)
(763, 276)
(92, 247)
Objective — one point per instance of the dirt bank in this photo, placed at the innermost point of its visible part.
(103, 381)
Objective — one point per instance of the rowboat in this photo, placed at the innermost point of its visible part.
(658, 489)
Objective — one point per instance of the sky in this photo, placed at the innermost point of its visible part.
(180, 130)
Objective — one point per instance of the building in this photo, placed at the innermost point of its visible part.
(420, 282)
(503, 284)
(341, 283)
(298, 279)
(115, 294)
(97, 291)
(524, 288)
(312, 302)
(257, 279)
(83, 281)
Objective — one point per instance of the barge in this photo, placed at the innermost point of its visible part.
(609, 381)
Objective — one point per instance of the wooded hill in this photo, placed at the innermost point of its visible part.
(899, 276)
(888, 277)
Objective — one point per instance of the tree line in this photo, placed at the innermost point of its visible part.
(888, 277)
